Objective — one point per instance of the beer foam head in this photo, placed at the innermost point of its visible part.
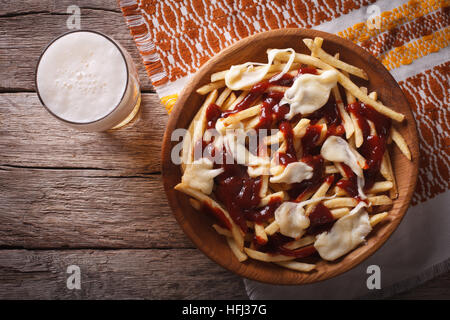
(82, 77)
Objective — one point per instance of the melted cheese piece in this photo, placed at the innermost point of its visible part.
(345, 235)
(294, 172)
(200, 175)
(309, 93)
(262, 169)
(246, 75)
(291, 218)
(336, 149)
(256, 165)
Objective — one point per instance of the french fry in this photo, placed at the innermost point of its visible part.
(210, 87)
(241, 256)
(237, 100)
(227, 104)
(388, 174)
(222, 231)
(340, 169)
(260, 234)
(322, 121)
(378, 106)
(195, 204)
(340, 202)
(377, 218)
(373, 95)
(186, 154)
(363, 89)
(300, 128)
(200, 123)
(331, 169)
(297, 266)
(273, 139)
(332, 61)
(264, 186)
(217, 76)
(241, 115)
(235, 230)
(261, 256)
(322, 191)
(302, 242)
(357, 130)
(323, 134)
(277, 195)
(400, 142)
(318, 41)
(251, 123)
(272, 228)
(381, 186)
(277, 88)
(380, 200)
(373, 130)
(299, 131)
(352, 202)
(339, 212)
(347, 121)
(223, 96)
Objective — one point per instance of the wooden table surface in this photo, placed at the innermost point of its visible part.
(94, 200)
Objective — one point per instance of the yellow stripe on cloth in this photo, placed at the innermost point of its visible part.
(421, 47)
(169, 101)
(389, 20)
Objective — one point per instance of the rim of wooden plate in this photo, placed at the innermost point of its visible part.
(197, 226)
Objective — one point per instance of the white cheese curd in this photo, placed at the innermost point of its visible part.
(291, 218)
(294, 172)
(345, 235)
(309, 93)
(336, 149)
(243, 76)
(262, 169)
(234, 144)
(200, 175)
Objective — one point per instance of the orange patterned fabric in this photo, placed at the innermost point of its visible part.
(433, 124)
(175, 37)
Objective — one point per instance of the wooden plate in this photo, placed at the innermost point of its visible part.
(197, 226)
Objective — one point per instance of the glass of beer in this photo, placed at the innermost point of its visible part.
(88, 81)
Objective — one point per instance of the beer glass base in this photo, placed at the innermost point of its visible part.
(131, 116)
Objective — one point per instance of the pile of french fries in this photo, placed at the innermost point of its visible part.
(380, 195)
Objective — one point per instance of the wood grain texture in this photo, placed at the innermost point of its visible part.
(57, 208)
(30, 137)
(254, 49)
(21, 43)
(116, 274)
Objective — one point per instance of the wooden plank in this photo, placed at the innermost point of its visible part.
(85, 209)
(10, 8)
(31, 137)
(21, 42)
(116, 274)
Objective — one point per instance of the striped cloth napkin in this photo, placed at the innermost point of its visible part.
(411, 38)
